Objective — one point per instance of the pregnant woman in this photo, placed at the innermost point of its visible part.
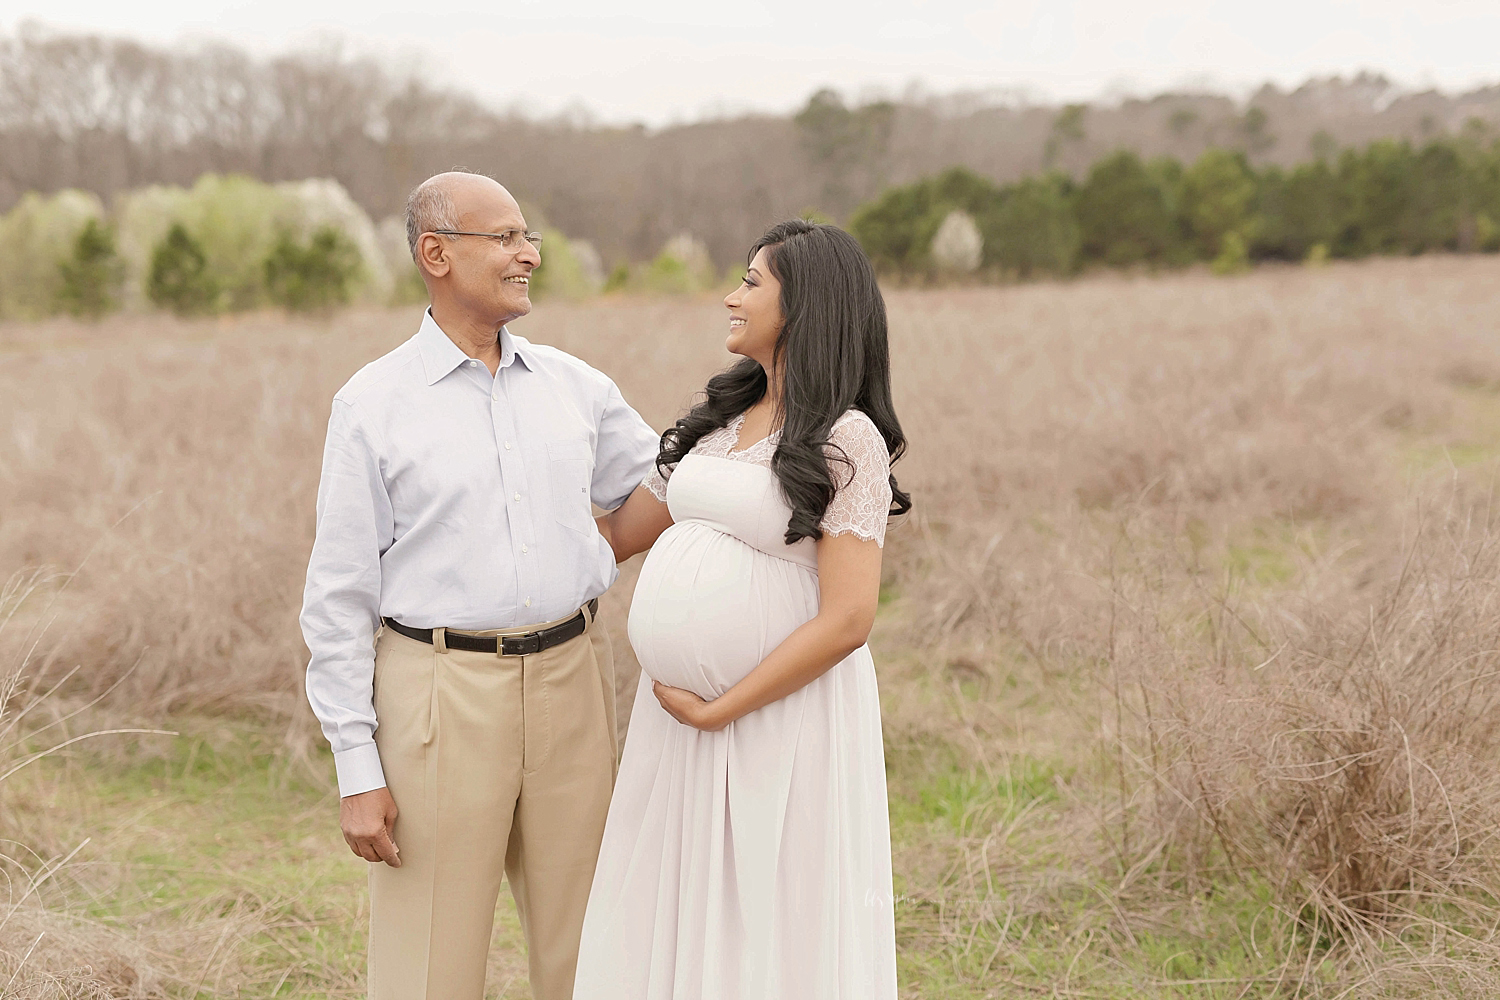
(747, 851)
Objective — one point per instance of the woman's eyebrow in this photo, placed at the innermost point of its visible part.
(752, 271)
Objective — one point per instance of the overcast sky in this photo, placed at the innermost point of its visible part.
(674, 60)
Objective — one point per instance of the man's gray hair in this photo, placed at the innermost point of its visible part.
(429, 207)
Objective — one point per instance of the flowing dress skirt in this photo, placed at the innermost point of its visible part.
(751, 863)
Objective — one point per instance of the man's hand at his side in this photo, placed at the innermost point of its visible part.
(367, 820)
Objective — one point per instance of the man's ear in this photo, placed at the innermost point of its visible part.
(432, 255)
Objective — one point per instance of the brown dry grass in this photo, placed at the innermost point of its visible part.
(1197, 609)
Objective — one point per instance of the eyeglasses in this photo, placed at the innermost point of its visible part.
(508, 240)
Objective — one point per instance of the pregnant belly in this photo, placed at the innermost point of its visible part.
(708, 608)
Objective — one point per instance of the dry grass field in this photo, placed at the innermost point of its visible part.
(1190, 651)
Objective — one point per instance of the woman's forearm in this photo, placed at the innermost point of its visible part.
(635, 525)
(848, 592)
(606, 528)
(803, 657)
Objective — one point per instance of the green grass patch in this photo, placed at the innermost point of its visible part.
(968, 802)
(225, 842)
(1428, 456)
(1262, 564)
(1269, 554)
(1470, 437)
(991, 901)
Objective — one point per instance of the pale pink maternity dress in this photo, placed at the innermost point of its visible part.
(752, 863)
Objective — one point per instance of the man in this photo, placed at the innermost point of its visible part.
(473, 733)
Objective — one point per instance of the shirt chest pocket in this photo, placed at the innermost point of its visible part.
(570, 468)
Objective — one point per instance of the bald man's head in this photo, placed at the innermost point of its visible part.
(467, 236)
(442, 201)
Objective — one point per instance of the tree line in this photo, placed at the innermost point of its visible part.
(226, 244)
(230, 243)
(1390, 197)
(110, 116)
(233, 243)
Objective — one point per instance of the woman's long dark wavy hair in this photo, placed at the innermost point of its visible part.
(832, 350)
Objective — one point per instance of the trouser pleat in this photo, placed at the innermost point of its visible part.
(500, 767)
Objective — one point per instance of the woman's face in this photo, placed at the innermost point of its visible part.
(755, 318)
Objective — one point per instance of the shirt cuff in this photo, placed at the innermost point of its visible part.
(359, 770)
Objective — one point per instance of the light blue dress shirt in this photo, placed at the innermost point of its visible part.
(454, 499)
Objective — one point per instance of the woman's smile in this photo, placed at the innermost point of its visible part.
(755, 318)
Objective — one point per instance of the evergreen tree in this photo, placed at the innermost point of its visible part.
(1032, 228)
(1442, 201)
(1218, 195)
(1124, 213)
(179, 278)
(319, 275)
(1485, 171)
(1378, 191)
(887, 226)
(1298, 211)
(92, 274)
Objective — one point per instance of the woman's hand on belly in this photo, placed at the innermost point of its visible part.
(689, 709)
(848, 591)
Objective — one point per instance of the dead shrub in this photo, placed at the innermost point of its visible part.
(1340, 751)
(47, 953)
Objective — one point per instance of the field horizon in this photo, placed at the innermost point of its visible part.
(1187, 651)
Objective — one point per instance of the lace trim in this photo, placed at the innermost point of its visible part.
(719, 443)
(862, 501)
(722, 443)
(656, 484)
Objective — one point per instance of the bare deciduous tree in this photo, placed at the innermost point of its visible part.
(107, 115)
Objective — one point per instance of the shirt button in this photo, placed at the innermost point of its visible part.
(496, 397)
(473, 364)
(507, 446)
(528, 602)
(518, 498)
(524, 550)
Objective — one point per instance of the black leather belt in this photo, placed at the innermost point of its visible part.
(528, 644)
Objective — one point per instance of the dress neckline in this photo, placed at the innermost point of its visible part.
(736, 426)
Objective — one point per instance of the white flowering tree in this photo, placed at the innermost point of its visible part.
(957, 246)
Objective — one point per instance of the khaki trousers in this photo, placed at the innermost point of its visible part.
(501, 766)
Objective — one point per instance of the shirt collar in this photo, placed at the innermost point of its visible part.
(440, 355)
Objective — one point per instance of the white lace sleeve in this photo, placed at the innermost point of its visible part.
(656, 483)
(863, 500)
